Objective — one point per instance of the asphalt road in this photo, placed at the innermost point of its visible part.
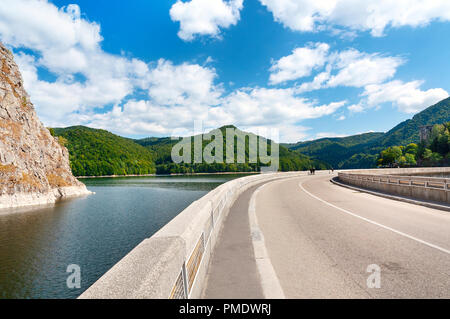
(232, 273)
(322, 238)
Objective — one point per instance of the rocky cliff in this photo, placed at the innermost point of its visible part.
(34, 167)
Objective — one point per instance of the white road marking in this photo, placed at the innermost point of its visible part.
(377, 224)
(269, 281)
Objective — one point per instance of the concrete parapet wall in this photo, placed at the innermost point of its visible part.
(401, 181)
(173, 263)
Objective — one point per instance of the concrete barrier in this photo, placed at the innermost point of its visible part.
(173, 263)
(401, 181)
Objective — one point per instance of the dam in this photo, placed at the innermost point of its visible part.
(293, 235)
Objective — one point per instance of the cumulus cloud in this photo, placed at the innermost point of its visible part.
(67, 46)
(273, 106)
(251, 109)
(346, 68)
(205, 17)
(129, 96)
(356, 108)
(369, 15)
(358, 69)
(371, 71)
(181, 84)
(408, 97)
(300, 63)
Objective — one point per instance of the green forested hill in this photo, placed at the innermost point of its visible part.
(336, 150)
(361, 151)
(289, 159)
(347, 141)
(95, 152)
(160, 147)
(408, 131)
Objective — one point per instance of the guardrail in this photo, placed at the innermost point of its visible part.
(173, 263)
(428, 188)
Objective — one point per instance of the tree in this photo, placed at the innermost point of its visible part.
(410, 159)
(391, 155)
(412, 148)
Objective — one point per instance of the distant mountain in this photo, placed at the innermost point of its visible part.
(95, 152)
(408, 131)
(361, 151)
(289, 159)
(161, 147)
(336, 150)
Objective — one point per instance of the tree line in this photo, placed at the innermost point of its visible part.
(435, 151)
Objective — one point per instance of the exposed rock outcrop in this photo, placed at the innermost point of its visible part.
(34, 167)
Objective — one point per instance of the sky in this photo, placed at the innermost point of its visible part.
(307, 68)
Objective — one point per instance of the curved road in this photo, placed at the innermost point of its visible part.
(322, 238)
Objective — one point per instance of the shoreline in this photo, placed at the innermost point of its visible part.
(36, 199)
(180, 174)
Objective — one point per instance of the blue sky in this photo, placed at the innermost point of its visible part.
(306, 68)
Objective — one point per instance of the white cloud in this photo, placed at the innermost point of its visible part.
(345, 68)
(69, 47)
(251, 109)
(182, 84)
(408, 97)
(329, 135)
(205, 17)
(273, 106)
(300, 63)
(358, 69)
(89, 81)
(41, 25)
(356, 108)
(354, 69)
(368, 15)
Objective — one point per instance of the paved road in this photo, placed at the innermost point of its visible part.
(232, 273)
(321, 238)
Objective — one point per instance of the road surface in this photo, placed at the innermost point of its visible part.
(322, 239)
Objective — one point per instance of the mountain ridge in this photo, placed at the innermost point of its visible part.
(153, 154)
(341, 154)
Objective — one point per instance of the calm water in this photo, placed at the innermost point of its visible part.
(94, 232)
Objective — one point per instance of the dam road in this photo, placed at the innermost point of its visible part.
(305, 237)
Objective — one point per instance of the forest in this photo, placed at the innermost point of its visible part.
(433, 152)
(95, 152)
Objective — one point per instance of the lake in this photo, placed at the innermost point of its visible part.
(95, 232)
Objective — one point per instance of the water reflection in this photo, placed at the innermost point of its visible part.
(94, 232)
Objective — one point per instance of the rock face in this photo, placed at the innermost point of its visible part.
(34, 167)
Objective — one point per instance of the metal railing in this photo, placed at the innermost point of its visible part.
(186, 280)
(416, 181)
(183, 286)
